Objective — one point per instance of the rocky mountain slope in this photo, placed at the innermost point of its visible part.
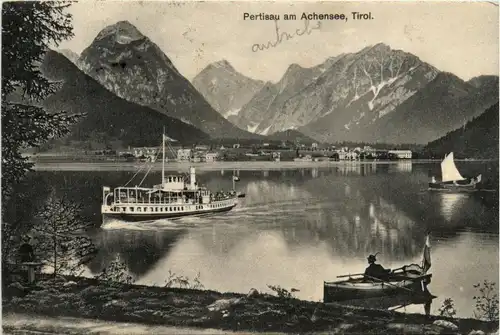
(107, 115)
(134, 68)
(477, 139)
(375, 95)
(69, 54)
(484, 81)
(444, 104)
(224, 88)
(266, 113)
(354, 88)
(293, 136)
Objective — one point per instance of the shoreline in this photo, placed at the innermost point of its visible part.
(64, 165)
(241, 165)
(84, 298)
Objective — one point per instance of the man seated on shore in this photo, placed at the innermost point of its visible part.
(376, 270)
(26, 253)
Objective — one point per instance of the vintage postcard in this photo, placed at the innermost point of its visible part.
(250, 167)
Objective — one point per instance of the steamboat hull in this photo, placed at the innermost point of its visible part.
(152, 217)
(138, 217)
(340, 291)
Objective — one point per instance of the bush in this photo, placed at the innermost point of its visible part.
(486, 304)
(447, 308)
(115, 272)
(175, 280)
(282, 292)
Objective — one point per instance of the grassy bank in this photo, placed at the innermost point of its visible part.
(92, 299)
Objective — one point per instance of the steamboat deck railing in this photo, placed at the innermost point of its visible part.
(150, 208)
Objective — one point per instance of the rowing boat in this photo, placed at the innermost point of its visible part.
(408, 279)
(392, 302)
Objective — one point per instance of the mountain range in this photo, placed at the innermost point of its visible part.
(375, 95)
(129, 89)
(226, 89)
(265, 113)
(105, 115)
(134, 68)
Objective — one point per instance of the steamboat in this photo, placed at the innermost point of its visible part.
(176, 196)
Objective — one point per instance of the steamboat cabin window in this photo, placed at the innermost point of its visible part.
(131, 209)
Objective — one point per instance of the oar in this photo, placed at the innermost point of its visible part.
(401, 268)
(356, 274)
(378, 279)
(362, 274)
(398, 307)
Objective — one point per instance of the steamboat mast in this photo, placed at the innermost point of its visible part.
(163, 158)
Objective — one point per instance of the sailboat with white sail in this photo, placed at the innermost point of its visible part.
(452, 179)
(176, 196)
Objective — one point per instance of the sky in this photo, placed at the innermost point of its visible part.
(457, 37)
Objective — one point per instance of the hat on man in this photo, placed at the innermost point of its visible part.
(372, 258)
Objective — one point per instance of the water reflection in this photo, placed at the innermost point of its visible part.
(452, 204)
(350, 168)
(356, 168)
(139, 250)
(401, 166)
(297, 228)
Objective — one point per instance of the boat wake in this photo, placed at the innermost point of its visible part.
(162, 224)
(256, 213)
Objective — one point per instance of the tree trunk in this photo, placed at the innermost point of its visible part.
(55, 250)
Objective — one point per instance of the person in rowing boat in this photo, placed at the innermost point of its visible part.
(376, 270)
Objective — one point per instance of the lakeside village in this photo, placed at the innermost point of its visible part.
(262, 152)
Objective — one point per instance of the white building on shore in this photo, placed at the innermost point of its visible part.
(211, 157)
(348, 155)
(402, 154)
(183, 155)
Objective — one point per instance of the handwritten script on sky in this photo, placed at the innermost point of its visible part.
(285, 36)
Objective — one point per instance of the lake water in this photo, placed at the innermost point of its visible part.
(299, 227)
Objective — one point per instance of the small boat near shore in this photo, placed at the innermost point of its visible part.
(392, 302)
(176, 196)
(409, 279)
(452, 180)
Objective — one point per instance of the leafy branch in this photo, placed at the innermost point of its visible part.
(174, 280)
(486, 303)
